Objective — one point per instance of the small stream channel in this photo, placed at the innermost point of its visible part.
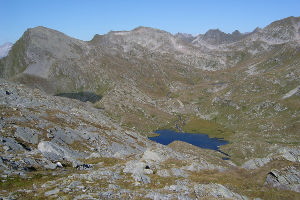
(201, 140)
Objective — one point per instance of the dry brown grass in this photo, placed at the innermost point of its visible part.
(247, 182)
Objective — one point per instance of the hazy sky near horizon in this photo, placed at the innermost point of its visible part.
(83, 19)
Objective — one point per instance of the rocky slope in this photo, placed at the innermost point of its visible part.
(147, 77)
(243, 87)
(54, 147)
(4, 49)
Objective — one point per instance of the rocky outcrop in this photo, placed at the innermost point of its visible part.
(287, 179)
(286, 153)
(291, 154)
(256, 163)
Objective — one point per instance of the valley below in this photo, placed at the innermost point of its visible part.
(76, 115)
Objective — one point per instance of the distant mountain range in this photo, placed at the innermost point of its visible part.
(4, 49)
(213, 37)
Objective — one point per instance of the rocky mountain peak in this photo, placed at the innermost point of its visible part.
(286, 22)
(150, 39)
(213, 32)
(214, 36)
(217, 37)
(257, 29)
(281, 31)
(236, 33)
(146, 29)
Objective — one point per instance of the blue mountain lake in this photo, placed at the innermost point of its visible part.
(201, 140)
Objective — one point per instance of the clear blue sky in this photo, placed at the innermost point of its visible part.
(82, 19)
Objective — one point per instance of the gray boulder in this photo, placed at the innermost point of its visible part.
(55, 152)
(27, 134)
(286, 178)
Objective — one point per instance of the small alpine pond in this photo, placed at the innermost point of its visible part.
(201, 140)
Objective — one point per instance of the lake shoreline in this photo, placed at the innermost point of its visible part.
(201, 140)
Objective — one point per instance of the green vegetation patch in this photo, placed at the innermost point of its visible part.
(14, 183)
(197, 125)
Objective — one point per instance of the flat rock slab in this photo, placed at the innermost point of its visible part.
(52, 192)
